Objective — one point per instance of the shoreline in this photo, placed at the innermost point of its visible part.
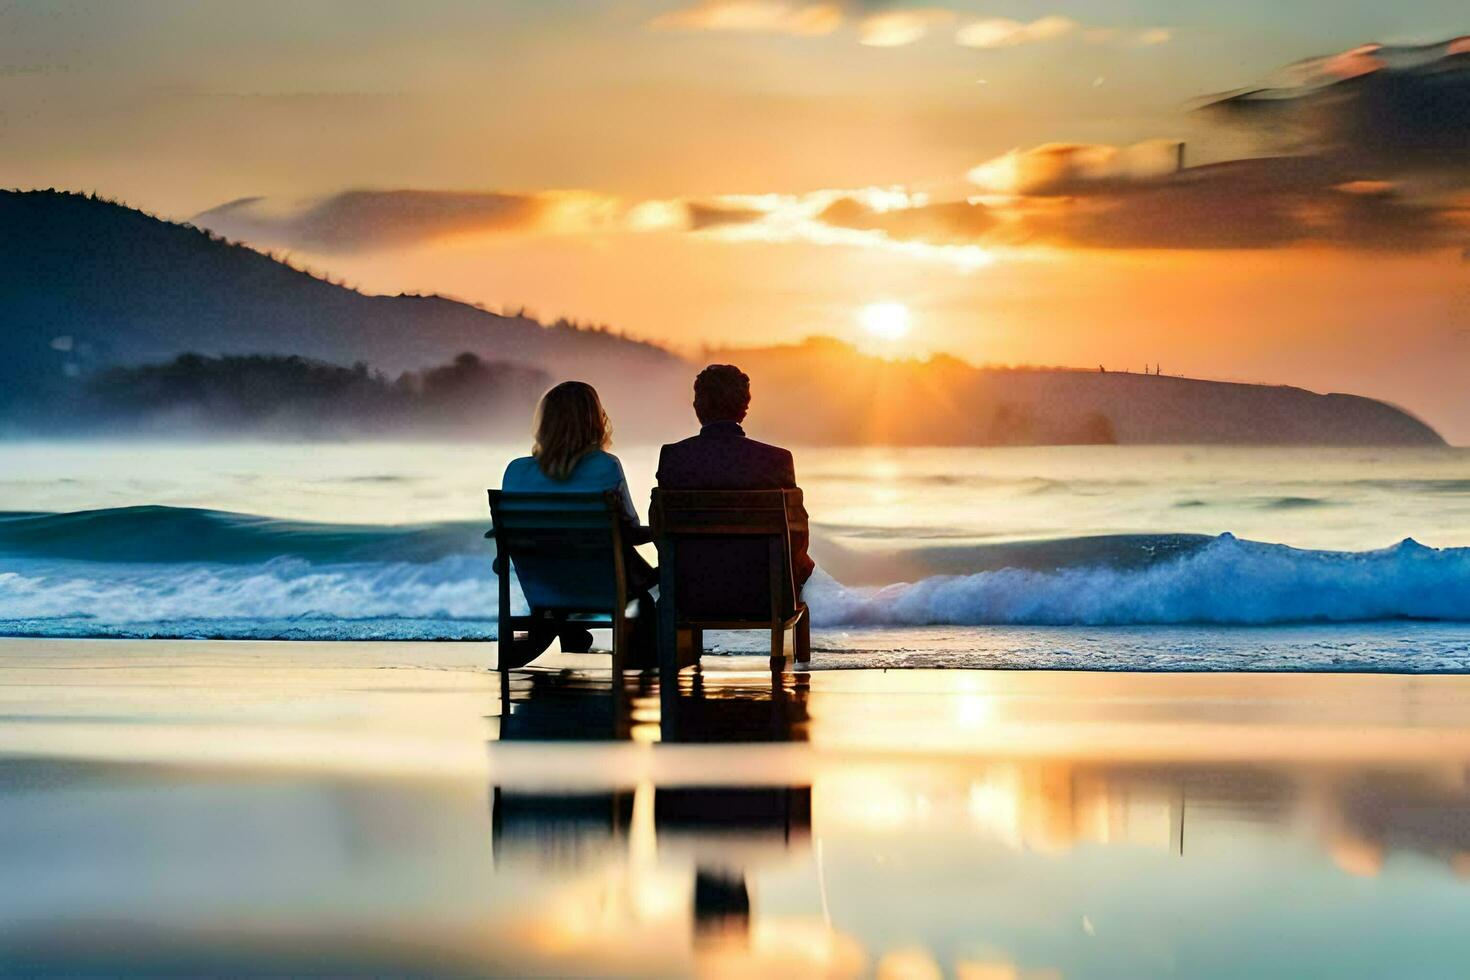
(1399, 647)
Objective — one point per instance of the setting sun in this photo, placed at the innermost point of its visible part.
(885, 321)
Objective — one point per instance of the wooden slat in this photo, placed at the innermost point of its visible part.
(725, 512)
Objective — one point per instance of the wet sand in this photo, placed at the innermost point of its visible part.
(215, 807)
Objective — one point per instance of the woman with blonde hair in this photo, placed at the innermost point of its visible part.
(569, 455)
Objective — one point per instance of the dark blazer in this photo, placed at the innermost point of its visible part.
(721, 457)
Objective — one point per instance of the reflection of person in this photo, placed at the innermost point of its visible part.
(722, 457)
(572, 433)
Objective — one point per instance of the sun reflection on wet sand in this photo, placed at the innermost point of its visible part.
(383, 817)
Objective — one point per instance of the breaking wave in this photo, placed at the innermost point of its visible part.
(159, 571)
(1225, 582)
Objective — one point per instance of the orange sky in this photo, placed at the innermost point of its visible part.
(731, 171)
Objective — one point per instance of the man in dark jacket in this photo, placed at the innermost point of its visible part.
(722, 457)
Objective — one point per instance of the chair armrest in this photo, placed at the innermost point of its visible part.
(638, 533)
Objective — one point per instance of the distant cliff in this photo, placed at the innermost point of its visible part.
(823, 392)
(89, 288)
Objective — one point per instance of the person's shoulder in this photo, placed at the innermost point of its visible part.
(520, 465)
(518, 471)
(776, 461)
(674, 448)
(599, 461)
(775, 452)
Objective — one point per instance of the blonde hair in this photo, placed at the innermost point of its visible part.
(570, 423)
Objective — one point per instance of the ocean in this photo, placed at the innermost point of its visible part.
(1142, 558)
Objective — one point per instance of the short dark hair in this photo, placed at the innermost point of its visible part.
(721, 394)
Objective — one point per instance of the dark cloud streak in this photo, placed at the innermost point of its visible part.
(355, 221)
(703, 216)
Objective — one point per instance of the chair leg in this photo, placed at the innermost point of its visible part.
(668, 647)
(690, 647)
(778, 643)
(504, 628)
(620, 644)
(803, 638)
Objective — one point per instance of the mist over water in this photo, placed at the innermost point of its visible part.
(334, 541)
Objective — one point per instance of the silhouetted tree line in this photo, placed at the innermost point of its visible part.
(281, 394)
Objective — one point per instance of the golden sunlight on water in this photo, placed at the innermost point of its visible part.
(345, 807)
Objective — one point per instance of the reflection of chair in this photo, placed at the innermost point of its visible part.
(538, 706)
(725, 563)
(717, 827)
(769, 812)
(715, 713)
(557, 830)
(570, 706)
(567, 551)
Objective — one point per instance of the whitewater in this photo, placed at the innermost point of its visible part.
(928, 557)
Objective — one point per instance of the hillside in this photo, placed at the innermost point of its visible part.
(87, 286)
(824, 392)
(85, 283)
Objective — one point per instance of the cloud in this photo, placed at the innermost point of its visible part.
(370, 220)
(1369, 149)
(1002, 32)
(753, 17)
(945, 223)
(895, 28)
(1096, 197)
(1397, 111)
(361, 220)
(886, 27)
(1142, 197)
(1063, 168)
(1259, 203)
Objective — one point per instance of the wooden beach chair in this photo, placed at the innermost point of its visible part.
(567, 553)
(725, 563)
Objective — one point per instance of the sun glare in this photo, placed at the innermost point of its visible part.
(885, 321)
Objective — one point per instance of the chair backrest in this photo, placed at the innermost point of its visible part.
(566, 548)
(732, 551)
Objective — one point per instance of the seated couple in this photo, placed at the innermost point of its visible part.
(572, 433)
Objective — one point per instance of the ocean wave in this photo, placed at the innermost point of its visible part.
(1226, 582)
(282, 588)
(154, 534)
(160, 571)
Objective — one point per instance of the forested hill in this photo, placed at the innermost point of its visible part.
(86, 283)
